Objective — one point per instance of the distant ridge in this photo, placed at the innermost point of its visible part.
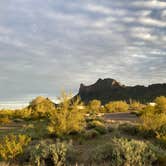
(111, 90)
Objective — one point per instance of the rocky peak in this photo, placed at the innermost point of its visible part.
(100, 84)
(109, 89)
(108, 82)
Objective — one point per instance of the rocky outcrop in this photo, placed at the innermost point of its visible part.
(110, 90)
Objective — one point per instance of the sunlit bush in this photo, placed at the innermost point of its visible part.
(153, 121)
(41, 107)
(160, 104)
(94, 106)
(135, 106)
(12, 145)
(117, 106)
(67, 118)
(5, 120)
(24, 113)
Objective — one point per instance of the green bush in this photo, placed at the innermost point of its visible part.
(67, 118)
(89, 134)
(48, 154)
(117, 106)
(97, 125)
(124, 152)
(101, 129)
(12, 145)
(37, 129)
(129, 129)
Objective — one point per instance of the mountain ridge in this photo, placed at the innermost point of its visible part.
(109, 89)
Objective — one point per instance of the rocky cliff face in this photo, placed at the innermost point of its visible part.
(110, 90)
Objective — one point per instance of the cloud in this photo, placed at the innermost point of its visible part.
(152, 22)
(46, 46)
(150, 4)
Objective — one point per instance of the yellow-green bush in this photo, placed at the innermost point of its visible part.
(12, 145)
(41, 107)
(67, 118)
(24, 113)
(135, 106)
(160, 104)
(94, 106)
(117, 106)
(5, 112)
(152, 121)
(5, 120)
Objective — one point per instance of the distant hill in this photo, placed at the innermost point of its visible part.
(110, 90)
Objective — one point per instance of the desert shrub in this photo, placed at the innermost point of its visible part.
(89, 134)
(12, 145)
(67, 118)
(152, 121)
(129, 129)
(95, 123)
(24, 113)
(5, 120)
(161, 135)
(101, 129)
(160, 104)
(48, 154)
(124, 152)
(41, 107)
(117, 106)
(94, 106)
(103, 109)
(6, 112)
(135, 106)
(36, 130)
(37, 109)
(151, 124)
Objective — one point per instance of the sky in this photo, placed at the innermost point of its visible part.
(47, 46)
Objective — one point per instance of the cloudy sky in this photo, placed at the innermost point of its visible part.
(50, 45)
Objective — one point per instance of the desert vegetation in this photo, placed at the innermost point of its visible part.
(72, 133)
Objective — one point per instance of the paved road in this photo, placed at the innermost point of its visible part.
(121, 116)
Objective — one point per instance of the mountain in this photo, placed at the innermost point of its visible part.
(110, 90)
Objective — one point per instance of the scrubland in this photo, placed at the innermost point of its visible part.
(71, 133)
